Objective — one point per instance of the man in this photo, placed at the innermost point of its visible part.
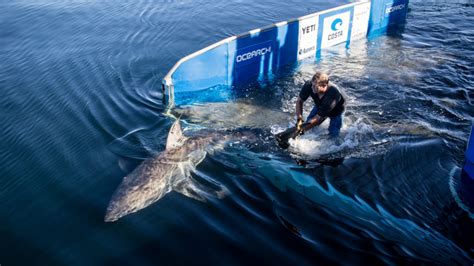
(328, 102)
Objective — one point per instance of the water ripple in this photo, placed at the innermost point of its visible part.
(81, 95)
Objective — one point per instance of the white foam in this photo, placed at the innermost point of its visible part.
(317, 142)
(275, 129)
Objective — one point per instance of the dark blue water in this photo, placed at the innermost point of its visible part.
(78, 77)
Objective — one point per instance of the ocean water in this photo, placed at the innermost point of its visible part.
(81, 106)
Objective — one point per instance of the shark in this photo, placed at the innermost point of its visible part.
(170, 170)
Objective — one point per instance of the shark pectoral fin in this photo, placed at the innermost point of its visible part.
(185, 184)
(175, 136)
(213, 187)
(196, 157)
(189, 189)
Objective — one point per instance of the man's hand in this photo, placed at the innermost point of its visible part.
(299, 126)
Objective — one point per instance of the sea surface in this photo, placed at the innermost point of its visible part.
(81, 107)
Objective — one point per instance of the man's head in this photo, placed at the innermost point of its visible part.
(320, 82)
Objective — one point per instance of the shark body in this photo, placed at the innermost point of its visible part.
(167, 171)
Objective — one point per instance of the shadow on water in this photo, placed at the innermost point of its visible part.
(395, 202)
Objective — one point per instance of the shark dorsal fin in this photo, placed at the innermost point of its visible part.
(175, 136)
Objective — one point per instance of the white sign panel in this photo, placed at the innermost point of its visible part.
(360, 22)
(335, 29)
(308, 37)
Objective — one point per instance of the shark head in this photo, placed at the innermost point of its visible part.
(139, 189)
(151, 180)
(132, 196)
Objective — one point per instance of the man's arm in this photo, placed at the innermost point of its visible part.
(316, 120)
(299, 108)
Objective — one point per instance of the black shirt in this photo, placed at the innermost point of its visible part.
(330, 105)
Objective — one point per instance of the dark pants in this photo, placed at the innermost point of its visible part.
(335, 123)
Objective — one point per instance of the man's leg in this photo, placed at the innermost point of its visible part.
(335, 125)
(312, 113)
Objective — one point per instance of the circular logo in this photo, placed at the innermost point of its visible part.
(336, 24)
